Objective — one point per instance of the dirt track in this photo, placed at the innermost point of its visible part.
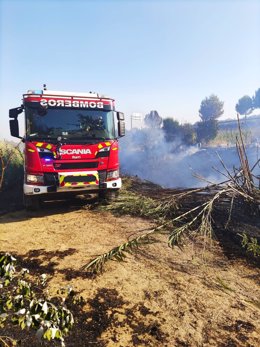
(159, 297)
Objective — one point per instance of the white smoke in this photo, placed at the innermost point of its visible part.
(146, 154)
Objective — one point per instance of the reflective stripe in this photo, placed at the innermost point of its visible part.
(62, 180)
(83, 183)
(79, 184)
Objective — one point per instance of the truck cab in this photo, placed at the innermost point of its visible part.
(71, 144)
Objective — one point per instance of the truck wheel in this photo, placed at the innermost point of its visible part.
(108, 195)
(31, 203)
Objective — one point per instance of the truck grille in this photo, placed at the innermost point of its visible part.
(71, 166)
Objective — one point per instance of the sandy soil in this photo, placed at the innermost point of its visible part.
(159, 297)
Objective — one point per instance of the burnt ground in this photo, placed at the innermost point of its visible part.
(243, 218)
(204, 294)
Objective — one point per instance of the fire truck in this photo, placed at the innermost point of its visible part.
(70, 144)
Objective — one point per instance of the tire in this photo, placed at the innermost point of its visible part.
(108, 195)
(31, 203)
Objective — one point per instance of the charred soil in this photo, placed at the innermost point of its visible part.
(203, 294)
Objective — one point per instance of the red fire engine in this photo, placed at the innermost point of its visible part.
(71, 144)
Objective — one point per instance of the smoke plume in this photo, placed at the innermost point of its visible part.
(146, 154)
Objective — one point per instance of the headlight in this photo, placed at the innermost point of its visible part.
(45, 153)
(112, 175)
(103, 152)
(34, 179)
(105, 149)
(43, 150)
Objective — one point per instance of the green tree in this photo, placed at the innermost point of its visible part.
(153, 120)
(244, 105)
(211, 108)
(171, 129)
(207, 130)
(189, 135)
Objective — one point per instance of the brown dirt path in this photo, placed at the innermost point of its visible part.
(159, 297)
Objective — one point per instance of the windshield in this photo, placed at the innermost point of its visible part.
(69, 124)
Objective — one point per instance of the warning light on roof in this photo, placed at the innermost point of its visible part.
(39, 92)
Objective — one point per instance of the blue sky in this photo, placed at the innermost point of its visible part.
(149, 55)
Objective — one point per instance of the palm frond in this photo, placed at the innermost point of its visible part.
(119, 253)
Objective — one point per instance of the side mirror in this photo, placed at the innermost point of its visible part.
(14, 128)
(120, 116)
(13, 112)
(121, 123)
(121, 128)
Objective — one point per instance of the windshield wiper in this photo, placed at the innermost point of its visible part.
(102, 138)
(88, 140)
(67, 140)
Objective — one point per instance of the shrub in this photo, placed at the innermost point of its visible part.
(24, 303)
(11, 165)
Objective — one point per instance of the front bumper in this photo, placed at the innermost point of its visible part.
(30, 189)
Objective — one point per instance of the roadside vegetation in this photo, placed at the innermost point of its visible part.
(11, 165)
(11, 176)
(226, 138)
(206, 131)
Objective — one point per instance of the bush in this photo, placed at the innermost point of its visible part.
(24, 303)
(11, 165)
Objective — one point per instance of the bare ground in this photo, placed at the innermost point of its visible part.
(160, 297)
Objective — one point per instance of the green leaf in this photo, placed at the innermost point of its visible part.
(22, 324)
(48, 334)
(58, 334)
(7, 282)
(9, 304)
(53, 332)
